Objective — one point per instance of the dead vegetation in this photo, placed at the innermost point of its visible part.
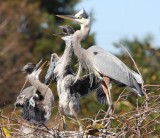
(142, 121)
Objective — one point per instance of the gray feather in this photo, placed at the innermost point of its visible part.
(100, 95)
(109, 65)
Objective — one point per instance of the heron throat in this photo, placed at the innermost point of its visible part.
(81, 53)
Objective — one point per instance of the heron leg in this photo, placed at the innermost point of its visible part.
(79, 123)
(63, 119)
(76, 117)
(106, 88)
(64, 122)
(146, 99)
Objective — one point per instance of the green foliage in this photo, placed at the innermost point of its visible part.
(146, 56)
(26, 35)
(147, 59)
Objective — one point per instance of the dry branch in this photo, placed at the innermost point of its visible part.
(142, 121)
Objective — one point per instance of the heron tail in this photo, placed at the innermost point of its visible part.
(138, 77)
(138, 84)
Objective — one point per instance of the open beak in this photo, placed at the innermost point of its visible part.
(37, 72)
(38, 64)
(43, 65)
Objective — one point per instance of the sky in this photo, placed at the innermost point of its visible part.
(119, 19)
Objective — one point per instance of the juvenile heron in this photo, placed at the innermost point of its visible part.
(37, 100)
(101, 63)
(68, 91)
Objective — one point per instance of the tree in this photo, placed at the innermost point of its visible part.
(26, 35)
(146, 56)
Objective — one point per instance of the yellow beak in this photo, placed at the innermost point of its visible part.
(69, 17)
(43, 65)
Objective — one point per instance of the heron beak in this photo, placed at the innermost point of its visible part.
(57, 34)
(43, 65)
(69, 17)
(38, 64)
(38, 71)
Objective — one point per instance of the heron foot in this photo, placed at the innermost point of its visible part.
(146, 97)
(109, 111)
(108, 114)
(64, 124)
(80, 125)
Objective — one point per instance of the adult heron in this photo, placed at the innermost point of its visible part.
(36, 100)
(68, 91)
(101, 63)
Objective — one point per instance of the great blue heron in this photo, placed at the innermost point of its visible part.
(68, 91)
(101, 63)
(37, 100)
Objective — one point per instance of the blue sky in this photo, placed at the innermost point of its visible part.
(118, 19)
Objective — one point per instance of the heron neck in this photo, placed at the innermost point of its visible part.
(83, 58)
(42, 88)
(68, 50)
(79, 36)
(67, 55)
(63, 68)
(85, 29)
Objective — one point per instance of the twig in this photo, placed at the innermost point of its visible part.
(131, 59)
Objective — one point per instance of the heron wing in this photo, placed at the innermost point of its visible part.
(109, 65)
(100, 95)
(83, 85)
(27, 93)
(49, 74)
(31, 113)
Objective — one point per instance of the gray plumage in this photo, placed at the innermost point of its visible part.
(100, 62)
(68, 99)
(103, 65)
(52, 64)
(26, 101)
(36, 101)
(68, 91)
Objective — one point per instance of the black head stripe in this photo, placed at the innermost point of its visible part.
(84, 14)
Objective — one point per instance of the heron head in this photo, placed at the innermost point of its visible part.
(81, 17)
(37, 71)
(29, 68)
(67, 33)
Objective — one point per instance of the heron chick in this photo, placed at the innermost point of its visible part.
(36, 101)
(60, 67)
(101, 63)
